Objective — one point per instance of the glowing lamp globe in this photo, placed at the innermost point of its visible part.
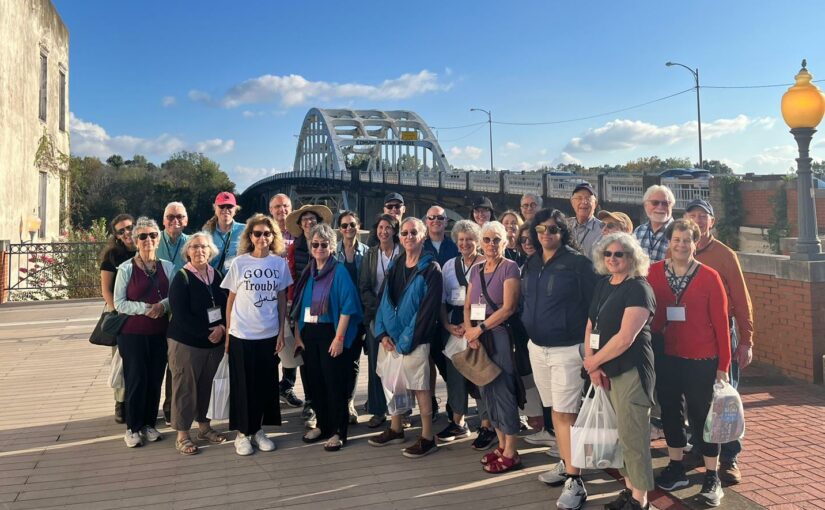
(803, 105)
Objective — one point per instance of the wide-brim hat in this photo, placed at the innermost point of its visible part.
(476, 366)
(292, 220)
(618, 216)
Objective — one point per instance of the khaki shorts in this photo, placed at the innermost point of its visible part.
(557, 372)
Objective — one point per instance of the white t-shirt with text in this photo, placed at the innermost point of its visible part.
(256, 283)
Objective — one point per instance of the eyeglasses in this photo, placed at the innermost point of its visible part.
(345, 226)
(199, 246)
(121, 231)
(612, 226)
(309, 219)
(530, 205)
(393, 206)
(523, 239)
(173, 217)
(259, 233)
(315, 245)
(618, 254)
(487, 240)
(437, 217)
(143, 236)
(657, 203)
(407, 233)
(226, 207)
(549, 229)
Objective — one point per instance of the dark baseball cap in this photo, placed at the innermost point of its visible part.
(393, 197)
(702, 204)
(483, 202)
(584, 185)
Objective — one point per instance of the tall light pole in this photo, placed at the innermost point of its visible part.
(490, 123)
(695, 73)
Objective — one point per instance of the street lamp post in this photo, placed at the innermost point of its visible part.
(695, 73)
(490, 123)
(803, 106)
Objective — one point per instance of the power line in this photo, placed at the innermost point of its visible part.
(476, 130)
(459, 127)
(752, 86)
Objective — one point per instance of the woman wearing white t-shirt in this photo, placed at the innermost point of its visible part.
(257, 281)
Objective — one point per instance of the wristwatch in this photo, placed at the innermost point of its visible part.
(483, 326)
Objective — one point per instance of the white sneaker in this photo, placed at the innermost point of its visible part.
(262, 442)
(688, 448)
(541, 438)
(573, 495)
(556, 476)
(151, 434)
(133, 439)
(243, 446)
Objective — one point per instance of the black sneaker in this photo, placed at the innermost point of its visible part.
(712, 490)
(120, 412)
(389, 436)
(421, 448)
(452, 432)
(619, 503)
(485, 440)
(289, 398)
(672, 477)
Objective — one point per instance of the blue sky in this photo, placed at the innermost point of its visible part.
(235, 80)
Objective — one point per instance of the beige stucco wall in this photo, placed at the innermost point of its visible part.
(27, 28)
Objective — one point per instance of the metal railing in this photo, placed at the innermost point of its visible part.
(623, 189)
(687, 190)
(40, 271)
(562, 186)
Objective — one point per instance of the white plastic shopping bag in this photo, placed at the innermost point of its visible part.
(219, 401)
(454, 345)
(116, 374)
(595, 436)
(726, 417)
(390, 368)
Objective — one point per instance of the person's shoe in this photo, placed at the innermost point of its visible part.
(453, 431)
(523, 425)
(420, 448)
(262, 442)
(406, 422)
(573, 495)
(289, 398)
(120, 412)
(243, 446)
(485, 440)
(353, 414)
(712, 490)
(541, 438)
(672, 477)
(151, 434)
(621, 501)
(553, 451)
(376, 421)
(435, 408)
(729, 472)
(556, 476)
(688, 448)
(133, 439)
(308, 415)
(389, 436)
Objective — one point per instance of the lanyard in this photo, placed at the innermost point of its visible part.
(651, 236)
(603, 302)
(177, 246)
(469, 268)
(207, 283)
(681, 282)
(381, 259)
(587, 229)
(151, 276)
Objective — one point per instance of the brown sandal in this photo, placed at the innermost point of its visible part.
(503, 464)
(186, 446)
(212, 436)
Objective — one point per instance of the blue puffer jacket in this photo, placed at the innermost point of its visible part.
(413, 320)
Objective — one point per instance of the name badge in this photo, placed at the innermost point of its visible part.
(594, 340)
(458, 295)
(676, 313)
(478, 312)
(214, 314)
(308, 317)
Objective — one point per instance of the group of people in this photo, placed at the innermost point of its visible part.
(654, 315)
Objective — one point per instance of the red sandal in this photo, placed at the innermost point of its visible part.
(492, 456)
(503, 464)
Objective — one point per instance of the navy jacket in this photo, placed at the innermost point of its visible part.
(448, 250)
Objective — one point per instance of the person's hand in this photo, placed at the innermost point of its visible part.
(217, 333)
(596, 377)
(388, 344)
(743, 356)
(336, 347)
(721, 376)
(299, 345)
(456, 330)
(473, 344)
(590, 364)
(155, 311)
(473, 333)
(279, 343)
(226, 344)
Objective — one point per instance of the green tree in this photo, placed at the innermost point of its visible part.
(115, 160)
(716, 167)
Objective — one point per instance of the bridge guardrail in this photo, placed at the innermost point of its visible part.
(687, 190)
(562, 186)
(485, 182)
(623, 189)
(519, 184)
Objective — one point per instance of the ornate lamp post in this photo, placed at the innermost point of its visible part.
(803, 106)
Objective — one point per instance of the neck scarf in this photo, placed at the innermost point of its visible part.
(320, 289)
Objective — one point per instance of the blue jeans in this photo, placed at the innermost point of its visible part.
(729, 451)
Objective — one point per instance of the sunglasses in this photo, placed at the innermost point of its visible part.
(121, 231)
(226, 207)
(199, 246)
(437, 217)
(393, 206)
(315, 245)
(618, 254)
(523, 240)
(494, 240)
(345, 226)
(612, 226)
(552, 229)
(406, 233)
(531, 205)
(259, 233)
(152, 235)
(173, 217)
(657, 203)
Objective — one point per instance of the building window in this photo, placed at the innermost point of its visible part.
(62, 113)
(44, 61)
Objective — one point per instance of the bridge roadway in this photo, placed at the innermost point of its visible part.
(60, 448)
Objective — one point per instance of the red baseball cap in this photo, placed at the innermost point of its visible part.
(225, 197)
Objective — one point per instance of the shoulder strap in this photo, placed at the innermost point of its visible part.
(226, 243)
(484, 289)
(185, 275)
(459, 272)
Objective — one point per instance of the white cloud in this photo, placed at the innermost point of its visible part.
(248, 114)
(622, 134)
(466, 152)
(772, 160)
(90, 139)
(511, 146)
(565, 159)
(168, 101)
(293, 90)
(526, 166)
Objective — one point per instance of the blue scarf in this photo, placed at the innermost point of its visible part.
(320, 289)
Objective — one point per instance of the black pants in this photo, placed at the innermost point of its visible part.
(144, 362)
(327, 379)
(693, 379)
(355, 361)
(253, 370)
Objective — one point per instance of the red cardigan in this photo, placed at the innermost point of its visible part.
(706, 332)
